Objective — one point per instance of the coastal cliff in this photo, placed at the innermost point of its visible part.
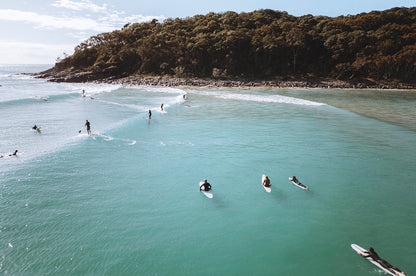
(265, 47)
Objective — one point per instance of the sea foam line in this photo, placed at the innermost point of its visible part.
(268, 99)
(261, 98)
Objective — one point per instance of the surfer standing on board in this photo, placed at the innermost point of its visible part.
(88, 125)
(161, 107)
(205, 186)
(150, 114)
(266, 182)
(373, 255)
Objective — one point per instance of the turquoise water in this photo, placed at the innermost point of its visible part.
(125, 200)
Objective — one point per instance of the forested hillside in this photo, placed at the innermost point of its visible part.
(263, 44)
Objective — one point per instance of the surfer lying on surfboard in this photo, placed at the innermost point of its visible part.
(205, 186)
(373, 255)
(11, 154)
(295, 181)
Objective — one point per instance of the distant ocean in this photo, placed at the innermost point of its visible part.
(126, 201)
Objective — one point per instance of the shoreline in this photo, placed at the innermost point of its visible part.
(306, 84)
(243, 83)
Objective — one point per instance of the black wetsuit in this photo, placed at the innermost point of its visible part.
(266, 183)
(87, 124)
(206, 187)
(373, 255)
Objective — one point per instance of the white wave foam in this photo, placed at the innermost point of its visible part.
(162, 89)
(268, 99)
(91, 89)
(260, 98)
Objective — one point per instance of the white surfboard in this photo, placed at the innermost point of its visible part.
(207, 194)
(300, 185)
(268, 189)
(361, 251)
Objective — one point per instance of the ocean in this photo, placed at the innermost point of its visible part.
(126, 201)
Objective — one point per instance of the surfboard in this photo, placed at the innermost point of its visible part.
(361, 251)
(300, 185)
(268, 189)
(207, 194)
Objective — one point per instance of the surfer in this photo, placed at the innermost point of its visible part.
(373, 255)
(35, 127)
(150, 114)
(205, 186)
(184, 97)
(83, 93)
(14, 154)
(266, 182)
(161, 107)
(294, 179)
(88, 125)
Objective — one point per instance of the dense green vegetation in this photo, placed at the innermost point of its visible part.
(262, 44)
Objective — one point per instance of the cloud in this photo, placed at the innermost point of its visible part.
(106, 23)
(12, 52)
(52, 22)
(78, 6)
(76, 20)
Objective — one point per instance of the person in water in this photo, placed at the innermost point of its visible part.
(88, 125)
(266, 182)
(373, 255)
(83, 93)
(35, 127)
(205, 186)
(294, 179)
(161, 107)
(11, 154)
(150, 114)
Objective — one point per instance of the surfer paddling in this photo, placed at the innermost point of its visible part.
(11, 154)
(373, 255)
(296, 182)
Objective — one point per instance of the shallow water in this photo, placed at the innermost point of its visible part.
(125, 200)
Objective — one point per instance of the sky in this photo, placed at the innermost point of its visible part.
(40, 31)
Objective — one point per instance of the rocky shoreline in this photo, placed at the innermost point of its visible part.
(174, 82)
(328, 84)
